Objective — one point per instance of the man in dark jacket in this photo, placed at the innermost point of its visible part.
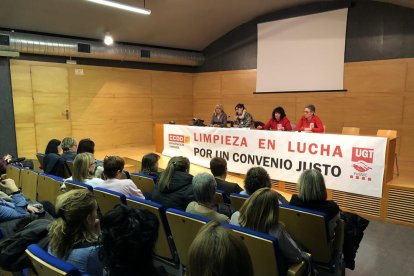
(218, 167)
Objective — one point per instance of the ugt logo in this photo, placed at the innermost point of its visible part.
(362, 156)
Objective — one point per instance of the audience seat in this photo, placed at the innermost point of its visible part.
(350, 130)
(390, 134)
(108, 199)
(71, 184)
(266, 257)
(164, 247)
(70, 166)
(237, 200)
(125, 175)
(40, 157)
(219, 197)
(28, 181)
(47, 265)
(13, 172)
(48, 187)
(310, 229)
(184, 228)
(145, 184)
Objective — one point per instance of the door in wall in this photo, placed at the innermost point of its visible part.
(50, 88)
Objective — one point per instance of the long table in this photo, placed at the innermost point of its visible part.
(354, 164)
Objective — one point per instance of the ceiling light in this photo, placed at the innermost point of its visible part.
(108, 40)
(121, 6)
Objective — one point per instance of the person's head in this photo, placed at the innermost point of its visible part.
(312, 186)
(177, 163)
(256, 178)
(309, 111)
(84, 167)
(86, 145)
(53, 146)
(113, 166)
(278, 113)
(128, 240)
(204, 186)
(219, 109)
(215, 251)
(149, 163)
(218, 167)
(77, 221)
(239, 108)
(260, 212)
(69, 144)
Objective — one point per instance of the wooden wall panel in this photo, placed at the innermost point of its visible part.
(172, 85)
(49, 80)
(410, 77)
(26, 140)
(380, 76)
(47, 131)
(207, 85)
(238, 82)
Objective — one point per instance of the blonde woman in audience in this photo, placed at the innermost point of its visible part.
(260, 213)
(69, 147)
(312, 195)
(175, 189)
(84, 168)
(74, 234)
(113, 167)
(204, 186)
(215, 251)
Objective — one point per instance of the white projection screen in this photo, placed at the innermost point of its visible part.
(303, 53)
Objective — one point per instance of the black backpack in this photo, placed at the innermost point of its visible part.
(12, 250)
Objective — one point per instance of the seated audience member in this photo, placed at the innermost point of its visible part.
(69, 148)
(243, 118)
(309, 121)
(128, 240)
(219, 117)
(174, 189)
(215, 251)
(113, 167)
(204, 186)
(312, 195)
(260, 213)
(53, 163)
(218, 167)
(279, 121)
(86, 145)
(149, 166)
(74, 234)
(14, 205)
(84, 168)
(256, 178)
(53, 147)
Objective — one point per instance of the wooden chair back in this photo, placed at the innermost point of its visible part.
(28, 180)
(350, 130)
(13, 172)
(107, 199)
(237, 200)
(48, 188)
(164, 247)
(184, 228)
(145, 184)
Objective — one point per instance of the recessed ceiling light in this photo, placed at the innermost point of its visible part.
(122, 6)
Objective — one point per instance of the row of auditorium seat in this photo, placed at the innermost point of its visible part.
(178, 229)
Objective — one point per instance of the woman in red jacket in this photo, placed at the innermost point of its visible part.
(309, 121)
(279, 121)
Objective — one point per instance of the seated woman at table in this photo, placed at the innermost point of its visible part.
(279, 121)
(242, 118)
(219, 118)
(309, 121)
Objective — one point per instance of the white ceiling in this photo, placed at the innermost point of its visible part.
(185, 24)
